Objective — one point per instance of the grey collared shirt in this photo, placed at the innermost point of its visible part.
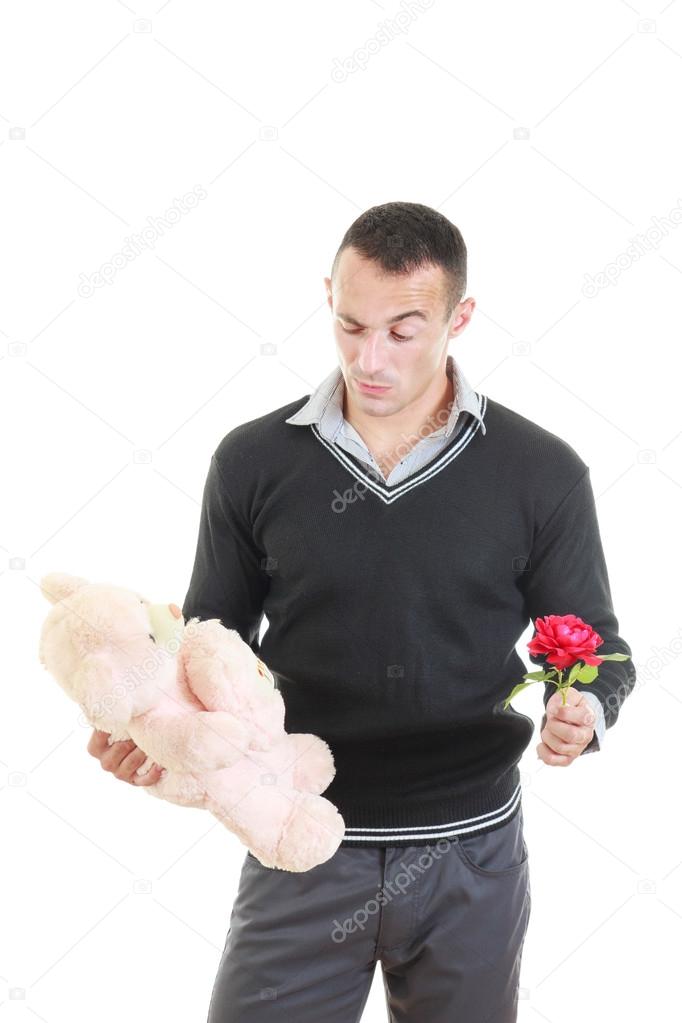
(325, 408)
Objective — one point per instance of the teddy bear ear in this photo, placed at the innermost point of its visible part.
(55, 586)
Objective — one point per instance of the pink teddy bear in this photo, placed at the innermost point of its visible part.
(200, 703)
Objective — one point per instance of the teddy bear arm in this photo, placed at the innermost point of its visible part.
(221, 670)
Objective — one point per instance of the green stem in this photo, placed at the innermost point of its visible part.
(562, 688)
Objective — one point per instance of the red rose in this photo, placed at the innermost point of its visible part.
(565, 639)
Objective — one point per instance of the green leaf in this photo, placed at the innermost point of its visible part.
(613, 657)
(537, 676)
(516, 690)
(587, 673)
(575, 669)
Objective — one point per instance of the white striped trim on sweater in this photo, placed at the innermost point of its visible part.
(438, 830)
(387, 493)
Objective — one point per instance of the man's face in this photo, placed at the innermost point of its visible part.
(377, 343)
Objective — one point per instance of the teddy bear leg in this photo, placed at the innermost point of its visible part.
(289, 830)
(313, 763)
(253, 808)
(311, 835)
(182, 789)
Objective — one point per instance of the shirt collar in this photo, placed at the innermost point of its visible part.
(325, 405)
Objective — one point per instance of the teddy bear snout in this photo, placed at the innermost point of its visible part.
(167, 624)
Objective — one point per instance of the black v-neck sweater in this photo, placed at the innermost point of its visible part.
(394, 611)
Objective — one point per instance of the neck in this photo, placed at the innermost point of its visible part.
(389, 438)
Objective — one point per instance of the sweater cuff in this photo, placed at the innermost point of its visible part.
(599, 726)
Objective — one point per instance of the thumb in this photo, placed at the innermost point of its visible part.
(570, 697)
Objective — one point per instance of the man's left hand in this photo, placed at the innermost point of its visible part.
(568, 730)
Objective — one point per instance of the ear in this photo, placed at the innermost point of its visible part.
(55, 586)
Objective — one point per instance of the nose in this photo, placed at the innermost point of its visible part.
(370, 356)
(175, 610)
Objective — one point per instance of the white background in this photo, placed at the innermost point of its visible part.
(549, 133)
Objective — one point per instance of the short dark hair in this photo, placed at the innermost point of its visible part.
(402, 237)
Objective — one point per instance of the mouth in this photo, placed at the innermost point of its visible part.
(371, 389)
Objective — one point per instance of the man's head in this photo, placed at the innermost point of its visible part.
(394, 259)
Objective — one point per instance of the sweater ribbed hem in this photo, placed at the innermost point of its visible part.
(477, 811)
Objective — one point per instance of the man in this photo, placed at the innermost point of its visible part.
(399, 530)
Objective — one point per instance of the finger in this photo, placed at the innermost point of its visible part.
(548, 756)
(97, 743)
(114, 756)
(568, 749)
(150, 778)
(130, 763)
(573, 696)
(144, 767)
(558, 745)
(564, 732)
(574, 713)
(577, 708)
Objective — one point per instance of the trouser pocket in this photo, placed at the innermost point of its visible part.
(500, 851)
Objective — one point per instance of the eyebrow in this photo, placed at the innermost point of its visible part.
(395, 319)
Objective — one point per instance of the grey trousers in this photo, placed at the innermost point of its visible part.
(446, 921)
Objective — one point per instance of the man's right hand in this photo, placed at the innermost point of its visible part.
(122, 759)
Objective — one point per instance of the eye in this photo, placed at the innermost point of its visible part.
(152, 637)
(396, 337)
